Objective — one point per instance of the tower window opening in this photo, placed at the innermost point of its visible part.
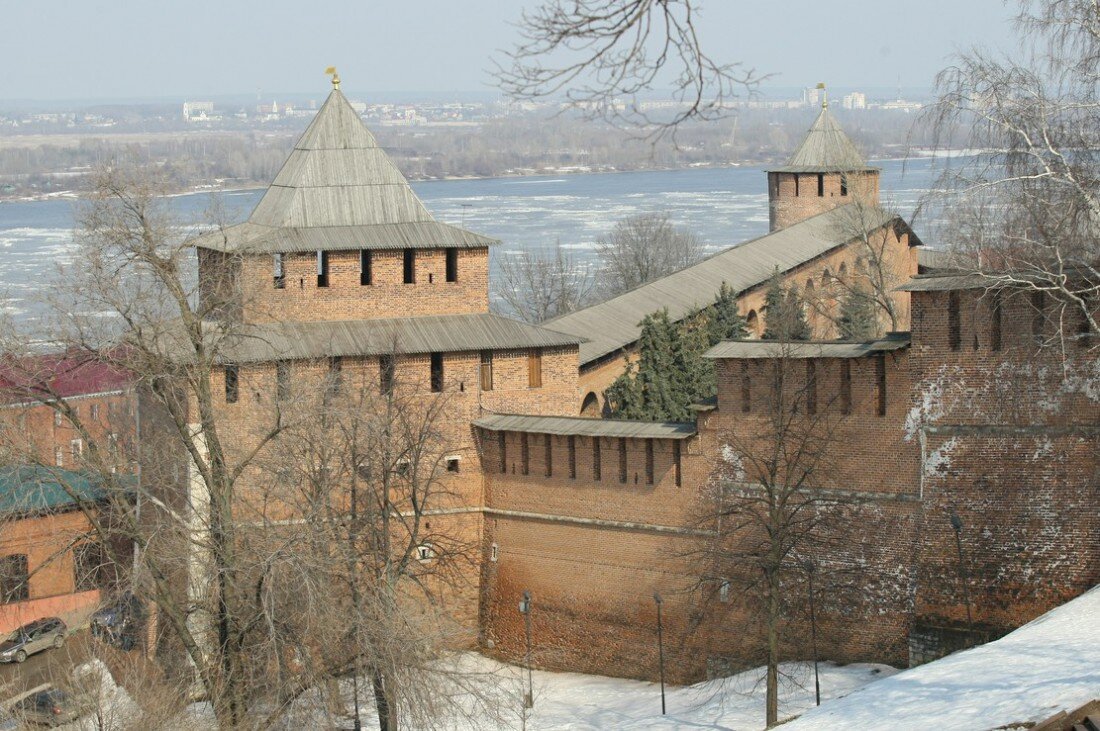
(622, 459)
(811, 387)
(843, 185)
(387, 372)
(746, 389)
(846, 387)
(572, 446)
(954, 321)
(502, 447)
(649, 470)
(524, 454)
(880, 379)
(437, 372)
(365, 273)
(548, 448)
(796, 190)
(821, 185)
(995, 311)
(486, 370)
(280, 271)
(322, 268)
(597, 471)
(232, 384)
(409, 266)
(452, 264)
(676, 463)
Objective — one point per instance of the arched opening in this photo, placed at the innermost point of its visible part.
(843, 271)
(752, 324)
(591, 405)
(809, 286)
(825, 276)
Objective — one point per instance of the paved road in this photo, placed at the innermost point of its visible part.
(48, 666)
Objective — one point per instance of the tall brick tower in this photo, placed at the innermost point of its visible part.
(824, 172)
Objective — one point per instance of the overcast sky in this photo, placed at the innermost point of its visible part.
(90, 49)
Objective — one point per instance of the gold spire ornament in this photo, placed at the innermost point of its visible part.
(824, 95)
(331, 71)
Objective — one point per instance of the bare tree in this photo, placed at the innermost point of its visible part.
(602, 54)
(537, 287)
(642, 248)
(770, 506)
(1024, 210)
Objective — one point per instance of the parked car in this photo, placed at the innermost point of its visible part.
(39, 635)
(119, 623)
(49, 706)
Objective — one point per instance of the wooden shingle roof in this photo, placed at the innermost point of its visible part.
(825, 149)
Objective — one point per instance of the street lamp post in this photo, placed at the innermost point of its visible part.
(525, 610)
(660, 649)
(957, 524)
(809, 566)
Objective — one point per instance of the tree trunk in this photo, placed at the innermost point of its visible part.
(772, 712)
(387, 714)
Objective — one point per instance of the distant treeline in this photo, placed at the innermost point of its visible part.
(507, 146)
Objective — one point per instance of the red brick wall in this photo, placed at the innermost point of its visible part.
(793, 197)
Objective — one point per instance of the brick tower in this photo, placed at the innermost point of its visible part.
(824, 172)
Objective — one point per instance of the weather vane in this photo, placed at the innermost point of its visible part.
(331, 71)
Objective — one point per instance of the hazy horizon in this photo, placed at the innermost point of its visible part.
(130, 51)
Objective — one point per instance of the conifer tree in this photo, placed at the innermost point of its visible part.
(858, 315)
(785, 312)
(724, 321)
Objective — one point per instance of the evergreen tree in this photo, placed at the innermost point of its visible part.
(624, 396)
(858, 316)
(794, 316)
(784, 312)
(774, 300)
(725, 321)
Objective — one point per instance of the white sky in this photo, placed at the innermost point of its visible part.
(89, 49)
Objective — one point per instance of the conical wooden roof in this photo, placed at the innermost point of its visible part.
(825, 149)
(339, 190)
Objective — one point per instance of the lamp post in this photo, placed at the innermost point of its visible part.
(957, 524)
(660, 649)
(525, 610)
(809, 566)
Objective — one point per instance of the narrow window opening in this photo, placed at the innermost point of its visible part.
(366, 276)
(746, 389)
(14, 578)
(597, 471)
(280, 271)
(549, 454)
(811, 386)
(232, 384)
(76, 448)
(486, 370)
(534, 368)
(524, 454)
(437, 372)
(335, 374)
(452, 464)
(649, 462)
(452, 265)
(724, 592)
(282, 380)
(387, 372)
(846, 387)
(494, 552)
(94, 415)
(821, 185)
(954, 321)
(502, 447)
(880, 379)
(59, 457)
(622, 459)
(796, 186)
(676, 463)
(322, 268)
(1038, 317)
(572, 446)
(843, 185)
(57, 419)
(995, 320)
(409, 266)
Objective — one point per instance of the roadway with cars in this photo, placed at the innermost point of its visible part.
(49, 666)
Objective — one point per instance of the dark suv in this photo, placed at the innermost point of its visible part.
(119, 623)
(39, 635)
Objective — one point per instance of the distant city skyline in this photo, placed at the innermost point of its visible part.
(130, 50)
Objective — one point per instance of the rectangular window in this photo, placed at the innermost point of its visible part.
(844, 185)
(57, 418)
(534, 368)
(845, 387)
(76, 448)
(820, 185)
(322, 268)
(437, 372)
(954, 321)
(597, 466)
(335, 375)
(280, 271)
(649, 462)
(746, 389)
(995, 318)
(58, 457)
(89, 566)
(14, 579)
(365, 275)
(232, 384)
(572, 457)
(409, 267)
(502, 446)
(811, 386)
(94, 412)
(452, 464)
(796, 191)
(880, 380)
(548, 448)
(524, 454)
(486, 370)
(387, 371)
(1039, 315)
(282, 380)
(622, 459)
(676, 463)
(452, 265)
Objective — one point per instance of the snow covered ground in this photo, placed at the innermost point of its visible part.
(1050, 664)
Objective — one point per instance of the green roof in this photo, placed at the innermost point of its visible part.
(37, 489)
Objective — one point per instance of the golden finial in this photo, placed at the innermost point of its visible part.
(331, 71)
(824, 95)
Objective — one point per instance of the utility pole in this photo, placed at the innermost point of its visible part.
(525, 610)
(660, 649)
